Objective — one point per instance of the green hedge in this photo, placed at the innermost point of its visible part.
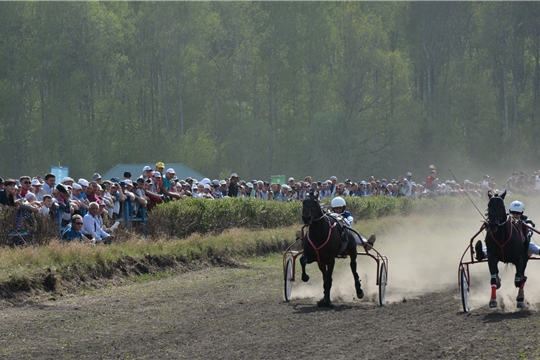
(179, 219)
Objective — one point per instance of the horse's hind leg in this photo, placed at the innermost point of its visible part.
(495, 282)
(357, 285)
(303, 262)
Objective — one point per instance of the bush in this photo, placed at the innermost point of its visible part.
(183, 218)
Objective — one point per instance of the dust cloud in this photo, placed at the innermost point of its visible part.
(424, 254)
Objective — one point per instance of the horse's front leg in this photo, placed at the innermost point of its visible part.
(303, 263)
(495, 281)
(357, 285)
(327, 271)
(520, 282)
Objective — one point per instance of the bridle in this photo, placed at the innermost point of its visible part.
(308, 220)
(498, 216)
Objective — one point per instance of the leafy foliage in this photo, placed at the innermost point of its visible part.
(348, 88)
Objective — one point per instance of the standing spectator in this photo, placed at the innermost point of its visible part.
(48, 185)
(96, 178)
(146, 172)
(291, 182)
(333, 186)
(8, 195)
(76, 198)
(25, 183)
(63, 203)
(118, 199)
(166, 182)
(67, 181)
(140, 196)
(37, 188)
(431, 181)
(46, 205)
(233, 186)
(407, 182)
(223, 187)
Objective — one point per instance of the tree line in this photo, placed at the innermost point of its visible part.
(258, 88)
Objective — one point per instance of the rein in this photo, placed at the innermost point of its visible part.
(326, 242)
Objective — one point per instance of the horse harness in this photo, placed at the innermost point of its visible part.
(331, 226)
(513, 224)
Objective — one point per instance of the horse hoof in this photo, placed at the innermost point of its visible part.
(325, 303)
(305, 277)
(492, 304)
(520, 305)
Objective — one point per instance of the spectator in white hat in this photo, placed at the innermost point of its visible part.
(37, 188)
(166, 185)
(407, 183)
(146, 172)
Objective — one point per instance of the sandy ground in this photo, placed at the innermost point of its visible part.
(239, 313)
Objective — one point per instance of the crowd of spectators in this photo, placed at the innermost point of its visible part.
(87, 207)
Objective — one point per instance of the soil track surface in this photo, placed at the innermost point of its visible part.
(239, 312)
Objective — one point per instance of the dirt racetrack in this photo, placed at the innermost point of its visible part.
(239, 312)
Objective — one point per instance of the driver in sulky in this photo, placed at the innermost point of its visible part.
(339, 206)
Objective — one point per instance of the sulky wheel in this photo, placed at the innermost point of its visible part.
(464, 289)
(288, 279)
(382, 284)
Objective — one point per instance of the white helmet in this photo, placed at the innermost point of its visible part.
(517, 206)
(338, 202)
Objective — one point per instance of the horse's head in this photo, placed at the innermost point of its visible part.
(496, 211)
(311, 208)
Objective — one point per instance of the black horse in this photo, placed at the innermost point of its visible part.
(322, 243)
(505, 242)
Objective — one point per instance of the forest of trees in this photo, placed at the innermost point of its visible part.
(260, 88)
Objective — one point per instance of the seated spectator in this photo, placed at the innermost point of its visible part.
(73, 231)
(92, 225)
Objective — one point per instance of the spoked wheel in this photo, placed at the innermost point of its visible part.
(288, 279)
(464, 289)
(382, 284)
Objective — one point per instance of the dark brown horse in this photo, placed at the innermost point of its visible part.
(322, 243)
(505, 242)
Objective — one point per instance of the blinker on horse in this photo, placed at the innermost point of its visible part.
(322, 243)
(506, 243)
